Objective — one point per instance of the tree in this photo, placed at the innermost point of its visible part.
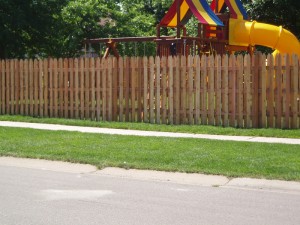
(28, 26)
(277, 12)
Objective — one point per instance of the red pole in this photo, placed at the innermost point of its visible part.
(178, 18)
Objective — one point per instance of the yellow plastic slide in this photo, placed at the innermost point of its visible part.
(244, 33)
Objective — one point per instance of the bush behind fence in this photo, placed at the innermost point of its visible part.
(236, 91)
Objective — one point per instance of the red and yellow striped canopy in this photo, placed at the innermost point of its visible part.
(199, 8)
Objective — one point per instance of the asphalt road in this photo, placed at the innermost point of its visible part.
(41, 197)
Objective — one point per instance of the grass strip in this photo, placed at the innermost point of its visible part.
(195, 129)
(232, 159)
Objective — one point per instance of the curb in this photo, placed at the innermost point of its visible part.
(157, 176)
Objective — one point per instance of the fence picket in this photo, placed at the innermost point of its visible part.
(177, 89)
(197, 87)
(98, 89)
(270, 91)
(295, 92)
(121, 89)
(171, 90)
(190, 90)
(157, 89)
(203, 85)
(278, 88)
(76, 88)
(247, 87)
(287, 92)
(2, 86)
(145, 90)
(218, 90)
(17, 86)
(225, 93)
(164, 105)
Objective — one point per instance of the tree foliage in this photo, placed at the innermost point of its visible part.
(43, 28)
(277, 12)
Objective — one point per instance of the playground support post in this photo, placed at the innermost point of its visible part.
(178, 18)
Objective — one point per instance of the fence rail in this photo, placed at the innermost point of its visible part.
(236, 91)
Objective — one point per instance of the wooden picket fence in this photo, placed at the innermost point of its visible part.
(237, 91)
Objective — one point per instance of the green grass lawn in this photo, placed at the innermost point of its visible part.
(233, 159)
(196, 129)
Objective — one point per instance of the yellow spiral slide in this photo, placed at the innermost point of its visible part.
(245, 33)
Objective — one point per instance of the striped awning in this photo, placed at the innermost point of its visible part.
(199, 8)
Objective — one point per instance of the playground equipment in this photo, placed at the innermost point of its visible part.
(219, 31)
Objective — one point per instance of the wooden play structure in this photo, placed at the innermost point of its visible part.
(223, 27)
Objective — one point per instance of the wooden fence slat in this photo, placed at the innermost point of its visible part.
(92, 87)
(127, 87)
(164, 105)
(197, 89)
(247, 87)
(218, 91)
(295, 92)
(255, 91)
(81, 87)
(278, 103)
(139, 88)
(183, 85)
(2, 86)
(21, 82)
(60, 87)
(157, 89)
(35, 87)
(190, 90)
(7, 87)
(66, 87)
(121, 89)
(287, 93)
(41, 88)
(17, 86)
(263, 97)
(240, 91)
(171, 89)
(211, 91)
(133, 76)
(98, 89)
(12, 86)
(151, 89)
(86, 100)
(177, 89)
(145, 88)
(115, 89)
(203, 80)
(104, 75)
(45, 87)
(71, 88)
(31, 87)
(76, 88)
(109, 88)
(225, 89)
(51, 93)
(232, 92)
(270, 91)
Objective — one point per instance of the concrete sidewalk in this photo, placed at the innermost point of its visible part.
(157, 176)
(293, 141)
